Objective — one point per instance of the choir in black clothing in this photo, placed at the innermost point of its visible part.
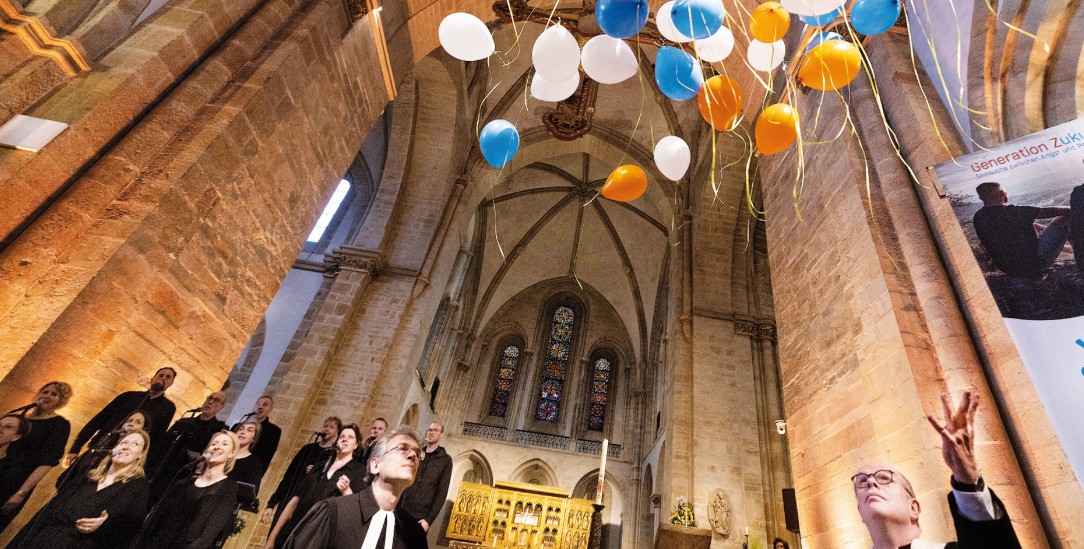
(13, 468)
(269, 432)
(340, 476)
(102, 509)
(310, 455)
(153, 403)
(87, 461)
(247, 467)
(41, 448)
(196, 512)
(187, 437)
(106, 499)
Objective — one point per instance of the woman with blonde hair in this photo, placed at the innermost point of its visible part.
(197, 511)
(42, 447)
(99, 510)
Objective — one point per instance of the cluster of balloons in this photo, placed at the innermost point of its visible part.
(829, 63)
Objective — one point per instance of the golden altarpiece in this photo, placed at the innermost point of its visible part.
(513, 514)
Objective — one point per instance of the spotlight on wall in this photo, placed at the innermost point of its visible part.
(781, 426)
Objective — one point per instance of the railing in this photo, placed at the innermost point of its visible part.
(541, 440)
(482, 430)
(531, 438)
(595, 448)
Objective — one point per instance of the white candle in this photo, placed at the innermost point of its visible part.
(601, 472)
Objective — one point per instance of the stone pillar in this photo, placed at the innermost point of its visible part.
(869, 331)
(352, 272)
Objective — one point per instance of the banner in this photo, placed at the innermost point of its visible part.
(1019, 206)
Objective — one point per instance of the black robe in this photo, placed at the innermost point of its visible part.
(984, 534)
(342, 522)
(189, 517)
(54, 525)
(318, 487)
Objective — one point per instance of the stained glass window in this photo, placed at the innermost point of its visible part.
(555, 364)
(498, 406)
(600, 395)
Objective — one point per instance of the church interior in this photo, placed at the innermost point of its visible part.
(288, 197)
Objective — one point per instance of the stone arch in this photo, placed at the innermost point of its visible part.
(535, 471)
(612, 498)
(471, 461)
(649, 516)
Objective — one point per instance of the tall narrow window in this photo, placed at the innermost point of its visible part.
(506, 372)
(553, 369)
(329, 211)
(600, 395)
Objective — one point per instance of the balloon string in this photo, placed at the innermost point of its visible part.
(942, 80)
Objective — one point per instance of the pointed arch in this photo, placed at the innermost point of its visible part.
(535, 471)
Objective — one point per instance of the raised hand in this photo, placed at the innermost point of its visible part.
(88, 525)
(958, 437)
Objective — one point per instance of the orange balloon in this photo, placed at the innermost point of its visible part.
(831, 65)
(625, 184)
(769, 22)
(720, 102)
(776, 128)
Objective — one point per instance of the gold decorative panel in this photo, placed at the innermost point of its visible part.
(516, 515)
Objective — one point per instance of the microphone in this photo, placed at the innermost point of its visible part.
(194, 410)
(100, 451)
(26, 408)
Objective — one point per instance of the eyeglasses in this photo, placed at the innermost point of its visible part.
(406, 451)
(882, 477)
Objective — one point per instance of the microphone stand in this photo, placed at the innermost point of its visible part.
(152, 517)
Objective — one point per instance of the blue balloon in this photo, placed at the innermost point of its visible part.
(499, 142)
(621, 19)
(872, 17)
(822, 37)
(677, 73)
(821, 20)
(697, 19)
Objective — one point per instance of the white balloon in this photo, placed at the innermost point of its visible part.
(765, 57)
(665, 22)
(672, 157)
(556, 54)
(554, 91)
(811, 7)
(715, 47)
(608, 60)
(465, 37)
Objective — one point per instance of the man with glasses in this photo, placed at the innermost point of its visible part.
(370, 515)
(188, 434)
(425, 498)
(887, 503)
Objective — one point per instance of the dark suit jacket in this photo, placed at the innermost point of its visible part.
(342, 522)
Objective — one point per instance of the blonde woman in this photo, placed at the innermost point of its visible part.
(42, 447)
(102, 509)
(197, 511)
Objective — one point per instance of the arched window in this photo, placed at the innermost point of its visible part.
(506, 372)
(555, 365)
(600, 394)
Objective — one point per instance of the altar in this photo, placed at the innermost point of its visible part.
(517, 515)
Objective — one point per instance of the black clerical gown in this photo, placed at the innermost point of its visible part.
(975, 534)
(54, 525)
(342, 522)
(983, 534)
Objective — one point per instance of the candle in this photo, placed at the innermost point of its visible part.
(601, 472)
(746, 531)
